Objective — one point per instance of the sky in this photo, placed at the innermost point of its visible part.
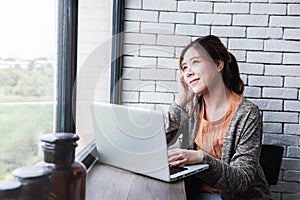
(27, 29)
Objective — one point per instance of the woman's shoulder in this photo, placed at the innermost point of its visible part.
(195, 102)
(247, 106)
(248, 103)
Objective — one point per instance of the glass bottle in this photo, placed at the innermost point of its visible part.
(10, 190)
(34, 182)
(68, 178)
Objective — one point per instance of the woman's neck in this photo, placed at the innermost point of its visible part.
(217, 103)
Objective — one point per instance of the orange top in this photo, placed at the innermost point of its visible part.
(210, 135)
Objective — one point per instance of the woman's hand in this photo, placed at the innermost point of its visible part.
(180, 157)
(184, 93)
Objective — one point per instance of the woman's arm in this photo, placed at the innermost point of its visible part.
(173, 120)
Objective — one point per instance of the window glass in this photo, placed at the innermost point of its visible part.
(94, 60)
(27, 80)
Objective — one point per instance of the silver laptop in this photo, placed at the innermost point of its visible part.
(134, 139)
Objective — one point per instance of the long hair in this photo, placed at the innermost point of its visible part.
(213, 47)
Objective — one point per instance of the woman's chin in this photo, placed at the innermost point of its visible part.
(196, 90)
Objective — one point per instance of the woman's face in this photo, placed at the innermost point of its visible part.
(199, 71)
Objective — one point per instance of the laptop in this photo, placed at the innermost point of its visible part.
(134, 139)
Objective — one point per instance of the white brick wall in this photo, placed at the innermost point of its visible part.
(264, 57)
(264, 35)
(291, 58)
(250, 20)
(175, 17)
(159, 5)
(173, 40)
(157, 51)
(246, 44)
(192, 30)
(282, 46)
(216, 19)
(293, 9)
(291, 34)
(190, 6)
(234, 8)
(228, 31)
(93, 64)
(285, 21)
(158, 74)
(157, 28)
(272, 9)
(275, 93)
(281, 70)
(138, 15)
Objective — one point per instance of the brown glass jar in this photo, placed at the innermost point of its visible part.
(10, 190)
(68, 178)
(34, 182)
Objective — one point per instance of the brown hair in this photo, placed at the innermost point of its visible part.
(214, 48)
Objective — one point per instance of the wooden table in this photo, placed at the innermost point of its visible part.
(108, 183)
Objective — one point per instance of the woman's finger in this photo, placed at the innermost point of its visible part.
(173, 151)
(175, 157)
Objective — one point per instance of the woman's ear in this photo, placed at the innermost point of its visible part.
(220, 65)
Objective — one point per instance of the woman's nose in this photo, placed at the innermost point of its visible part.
(189, 71)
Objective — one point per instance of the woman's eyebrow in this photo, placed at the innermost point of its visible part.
(192, 58)
(195, 57)
(183, 62)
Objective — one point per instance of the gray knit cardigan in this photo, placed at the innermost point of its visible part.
(238, 174)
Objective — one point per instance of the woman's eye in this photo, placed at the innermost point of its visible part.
(195, 62)
(184, 67)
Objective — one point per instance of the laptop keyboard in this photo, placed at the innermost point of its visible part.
(174, 170)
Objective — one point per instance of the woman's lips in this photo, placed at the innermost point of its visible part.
(194, 80)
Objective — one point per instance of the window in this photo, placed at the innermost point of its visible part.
(94, 72)
(40, 63)
(28, 66)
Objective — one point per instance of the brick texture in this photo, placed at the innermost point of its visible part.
(264, 35)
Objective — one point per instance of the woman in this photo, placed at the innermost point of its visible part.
(218, 125)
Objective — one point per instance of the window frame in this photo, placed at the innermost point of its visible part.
(117, 51)
(67, 65)
(67, 69)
